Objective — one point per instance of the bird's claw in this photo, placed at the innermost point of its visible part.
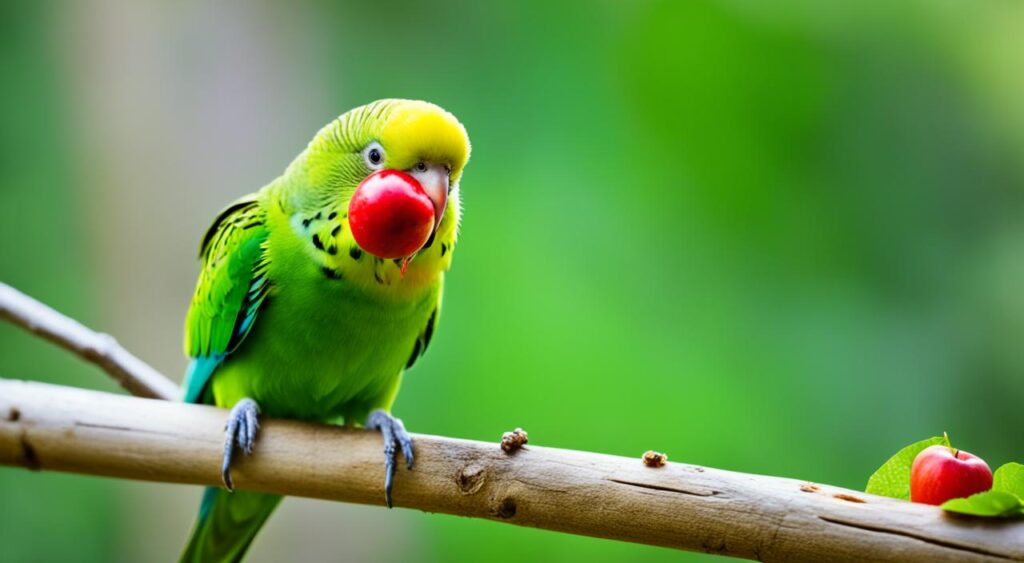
(394, 434)
(239, 431)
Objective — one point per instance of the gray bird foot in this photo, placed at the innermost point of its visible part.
(394, 435)
(240, 430)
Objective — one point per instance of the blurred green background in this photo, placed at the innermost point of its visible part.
(783, 238)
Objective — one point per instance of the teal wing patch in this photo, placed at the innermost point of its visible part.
(232, 286)
(198, 375)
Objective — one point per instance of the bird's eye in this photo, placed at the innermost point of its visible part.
(421, 167)
(373, 154)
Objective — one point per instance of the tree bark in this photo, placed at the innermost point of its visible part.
(46, 427)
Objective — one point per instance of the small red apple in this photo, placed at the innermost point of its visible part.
(940, 473)
(390, 214)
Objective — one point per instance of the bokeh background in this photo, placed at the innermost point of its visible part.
(783, 239)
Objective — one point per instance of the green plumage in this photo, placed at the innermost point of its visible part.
(290, 312)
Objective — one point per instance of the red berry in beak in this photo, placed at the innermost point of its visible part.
(390, 215)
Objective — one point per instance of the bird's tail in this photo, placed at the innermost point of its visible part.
(227, 524)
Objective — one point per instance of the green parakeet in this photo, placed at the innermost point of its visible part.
(292, 318)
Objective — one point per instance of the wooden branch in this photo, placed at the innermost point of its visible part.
(678, 505)
(134, 375)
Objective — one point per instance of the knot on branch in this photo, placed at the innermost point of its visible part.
(470, 479)
(506, 508)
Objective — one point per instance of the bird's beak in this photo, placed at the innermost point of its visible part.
(434, 179)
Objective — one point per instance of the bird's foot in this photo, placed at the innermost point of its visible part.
(239, 431)
(394, 435)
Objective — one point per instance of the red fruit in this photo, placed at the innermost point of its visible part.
(940, 473)
(390, 214)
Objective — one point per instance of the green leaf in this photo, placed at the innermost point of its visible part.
(989, 503)
(1009, 479)
(893, 478)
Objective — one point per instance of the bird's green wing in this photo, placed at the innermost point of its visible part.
(423, 340)
(232, 286)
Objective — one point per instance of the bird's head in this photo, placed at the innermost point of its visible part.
(417, 139)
